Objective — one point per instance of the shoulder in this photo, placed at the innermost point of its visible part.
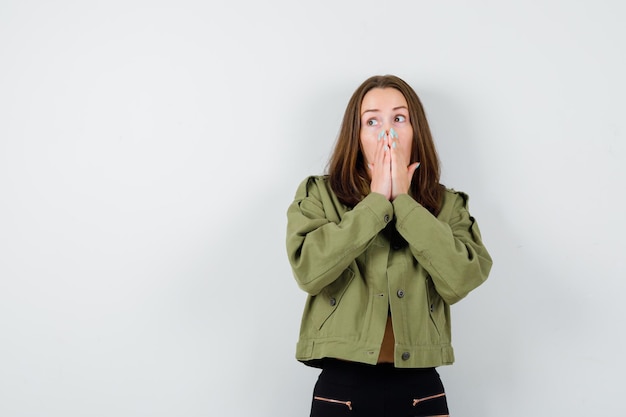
(454, 203)
(313, 185)
(316, 199)
(456, 196)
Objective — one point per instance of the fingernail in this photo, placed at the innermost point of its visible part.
(386, 147)
(381, 134)
(393, 133)
(418, 165)
(393, 145)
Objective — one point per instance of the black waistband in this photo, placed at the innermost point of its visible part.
(350, 373)
(363, 370)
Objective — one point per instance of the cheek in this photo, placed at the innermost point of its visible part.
(408, 142)
(408, 147)
(367, 147)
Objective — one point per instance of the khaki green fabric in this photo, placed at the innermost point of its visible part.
(358, 264)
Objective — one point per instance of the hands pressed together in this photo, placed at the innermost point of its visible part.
(390, 171)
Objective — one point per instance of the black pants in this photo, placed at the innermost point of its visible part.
(359, 390)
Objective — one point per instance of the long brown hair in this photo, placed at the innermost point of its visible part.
(346, 169)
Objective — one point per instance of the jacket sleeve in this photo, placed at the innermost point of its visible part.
(451, 251)
(320, 242)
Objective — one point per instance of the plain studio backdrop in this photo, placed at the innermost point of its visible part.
(149, 151)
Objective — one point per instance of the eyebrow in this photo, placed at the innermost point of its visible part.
(376, 110)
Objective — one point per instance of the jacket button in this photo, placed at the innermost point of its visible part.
(406, 356)
(400, 293)
(332, 302)
(386, 218)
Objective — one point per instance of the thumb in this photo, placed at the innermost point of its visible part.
(412, 168)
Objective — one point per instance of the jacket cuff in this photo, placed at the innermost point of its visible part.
(403, 205)
(380, 206)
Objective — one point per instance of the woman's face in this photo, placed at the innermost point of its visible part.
(382, 110)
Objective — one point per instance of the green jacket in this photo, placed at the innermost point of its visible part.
(358, 264)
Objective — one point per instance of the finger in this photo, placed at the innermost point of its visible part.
(386, 163)
(393, 134)
(382, 155)
(380, 148)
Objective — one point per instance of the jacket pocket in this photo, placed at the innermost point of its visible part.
(324, 304)
(435, 306)
(327, 301)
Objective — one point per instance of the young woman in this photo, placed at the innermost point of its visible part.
(383, 250)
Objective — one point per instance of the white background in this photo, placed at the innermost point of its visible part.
(149, 150)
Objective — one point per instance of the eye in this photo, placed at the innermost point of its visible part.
(400, 118)
(372, 122)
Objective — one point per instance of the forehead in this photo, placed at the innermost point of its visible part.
(382, 98)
